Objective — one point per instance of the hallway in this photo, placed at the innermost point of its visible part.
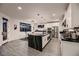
(20, 48)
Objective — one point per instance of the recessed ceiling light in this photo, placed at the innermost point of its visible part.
(53, 14)
(19, 8)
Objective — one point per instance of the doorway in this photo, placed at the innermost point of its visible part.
(4, 28)
(55, 31)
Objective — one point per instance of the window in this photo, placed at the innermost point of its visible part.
(24, 27)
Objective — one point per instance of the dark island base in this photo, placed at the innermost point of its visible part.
(36, 42)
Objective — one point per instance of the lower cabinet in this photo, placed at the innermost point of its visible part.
(37, 42)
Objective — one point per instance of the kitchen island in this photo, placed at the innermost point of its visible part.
(38, 41)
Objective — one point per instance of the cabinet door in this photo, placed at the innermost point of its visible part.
(35, 42)
(38, 40)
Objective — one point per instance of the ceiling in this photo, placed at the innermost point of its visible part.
(38, 11)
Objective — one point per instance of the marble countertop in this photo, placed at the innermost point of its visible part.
(38, 34)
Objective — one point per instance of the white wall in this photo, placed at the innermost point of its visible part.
(75, 14)
(13, 34)
(67, 17)
(72, 15)
(1, 38)
(51, 25)
(46, 25)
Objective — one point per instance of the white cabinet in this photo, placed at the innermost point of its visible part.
(45, 40)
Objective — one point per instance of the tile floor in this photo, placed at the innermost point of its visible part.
(70, 48)
(20, 48)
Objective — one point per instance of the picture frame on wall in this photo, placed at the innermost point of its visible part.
(15, 27)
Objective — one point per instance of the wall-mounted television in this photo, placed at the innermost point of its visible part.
(24, 27)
